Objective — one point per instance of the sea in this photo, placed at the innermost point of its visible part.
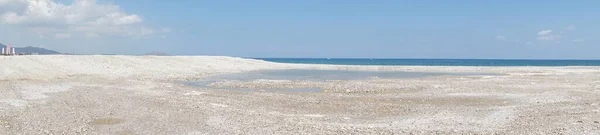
(435, 62)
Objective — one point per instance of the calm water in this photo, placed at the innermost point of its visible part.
(436, 62)
(323, 75)
(310, 75)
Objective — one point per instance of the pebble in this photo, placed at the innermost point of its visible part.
(239, 118)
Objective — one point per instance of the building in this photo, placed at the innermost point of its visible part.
(8, 50)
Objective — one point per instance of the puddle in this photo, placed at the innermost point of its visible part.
(308, 75)
(323, 75)
(107, 121)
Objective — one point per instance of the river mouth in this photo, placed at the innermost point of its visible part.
(305, 75)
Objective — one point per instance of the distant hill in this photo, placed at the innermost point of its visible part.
(157, 54)
(30, 49)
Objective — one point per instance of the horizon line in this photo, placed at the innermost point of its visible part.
(357, 58)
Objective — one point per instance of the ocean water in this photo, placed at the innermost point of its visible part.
(436, 62)
(323, 75)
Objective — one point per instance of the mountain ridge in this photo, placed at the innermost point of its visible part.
(32, 50)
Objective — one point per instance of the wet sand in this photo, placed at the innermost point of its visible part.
(144, 95)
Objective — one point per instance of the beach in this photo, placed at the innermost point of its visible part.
(96, 94)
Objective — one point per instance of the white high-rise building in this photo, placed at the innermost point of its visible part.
(7, 50)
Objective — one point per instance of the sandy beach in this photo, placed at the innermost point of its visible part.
(141, 95)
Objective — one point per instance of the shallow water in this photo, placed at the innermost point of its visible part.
(322, 75)
(310, 75)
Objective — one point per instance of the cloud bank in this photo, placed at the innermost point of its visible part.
(83, 17)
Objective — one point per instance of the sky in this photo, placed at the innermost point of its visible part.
(467, 29)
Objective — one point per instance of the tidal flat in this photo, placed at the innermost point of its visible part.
(145, 95)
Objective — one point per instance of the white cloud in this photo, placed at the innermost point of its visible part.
(544, 32)
(550, 36)
(546, 35)
(500, 37)
(81, 17)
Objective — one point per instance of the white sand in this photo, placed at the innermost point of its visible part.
(142, 95)
(60, 66)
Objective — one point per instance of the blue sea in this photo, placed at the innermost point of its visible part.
(436, 62)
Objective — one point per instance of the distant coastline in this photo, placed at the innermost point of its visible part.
(32, 50)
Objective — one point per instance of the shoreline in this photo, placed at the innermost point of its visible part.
(139, 95)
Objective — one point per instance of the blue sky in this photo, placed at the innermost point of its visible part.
(513, 29)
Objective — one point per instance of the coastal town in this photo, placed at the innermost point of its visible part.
(7, 51)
